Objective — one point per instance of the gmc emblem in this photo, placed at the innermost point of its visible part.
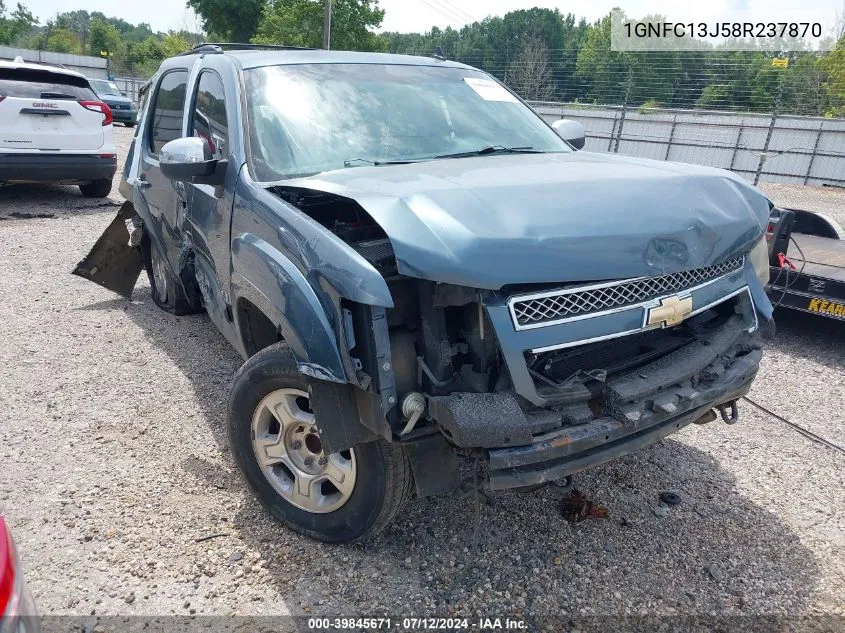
(44, 105)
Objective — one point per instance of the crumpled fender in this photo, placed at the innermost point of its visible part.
(286, 297)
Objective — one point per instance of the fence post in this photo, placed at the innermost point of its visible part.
(736, 142)
(813, 155)
(671, 136)
(612, 132)
(764, 152)
(624, 112)
(619, 129)
(775, 109)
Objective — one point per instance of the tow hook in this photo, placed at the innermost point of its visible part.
(729, 412)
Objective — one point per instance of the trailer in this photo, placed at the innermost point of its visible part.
(807, 260)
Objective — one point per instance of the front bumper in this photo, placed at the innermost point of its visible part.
(124, 116)
(536, 433)
(56, 168)
(569, 450)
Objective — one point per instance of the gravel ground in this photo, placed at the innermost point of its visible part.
(113, 462)
(829, 201)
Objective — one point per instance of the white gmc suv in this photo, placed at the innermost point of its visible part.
(53, 128)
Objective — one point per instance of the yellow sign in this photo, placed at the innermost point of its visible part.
(780, 62)
(828, 308)
(671, 311)
(104, 53)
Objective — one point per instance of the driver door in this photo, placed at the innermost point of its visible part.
(210, 207)
(164, 198)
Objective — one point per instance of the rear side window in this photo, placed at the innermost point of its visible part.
(209, 118)
(167, 109)
(43, 84)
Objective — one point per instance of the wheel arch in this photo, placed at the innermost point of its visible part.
(267, 288)
(256, 329)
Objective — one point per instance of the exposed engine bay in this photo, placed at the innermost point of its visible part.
(444, 350)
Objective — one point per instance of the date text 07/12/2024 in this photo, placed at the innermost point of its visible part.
(419, 624)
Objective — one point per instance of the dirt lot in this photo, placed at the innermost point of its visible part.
(113, 462)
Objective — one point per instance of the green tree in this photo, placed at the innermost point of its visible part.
(231, 20)
(300, 23)
(832, 64)
(102, 36)
(291, 23)
(13, 26)
(603, 71)
(62, 40)
(174, 43)
(353, 24)
(496, 43)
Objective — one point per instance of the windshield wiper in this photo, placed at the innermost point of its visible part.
(352, 162)
(487, 149)
(492, 149)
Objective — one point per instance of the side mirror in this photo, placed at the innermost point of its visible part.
(189, 159)
(570, 131)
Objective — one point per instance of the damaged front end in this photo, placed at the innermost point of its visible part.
(541, 409)
(542, 380)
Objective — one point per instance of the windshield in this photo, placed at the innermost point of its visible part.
(304, 119)
(105, 88)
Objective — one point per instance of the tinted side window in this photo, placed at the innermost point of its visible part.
(167, 109)
(209, 119)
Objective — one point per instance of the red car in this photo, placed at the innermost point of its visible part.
(17, 608)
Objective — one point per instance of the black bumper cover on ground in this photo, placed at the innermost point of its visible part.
(56, 167)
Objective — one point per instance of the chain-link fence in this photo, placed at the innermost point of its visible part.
(765, 115)
(770, 117)
(131, 86)
(760, 147)
(806, 84)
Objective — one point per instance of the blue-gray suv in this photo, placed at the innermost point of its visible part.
(417, 267)
(123, 109)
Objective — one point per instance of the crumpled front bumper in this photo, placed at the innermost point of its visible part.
(571, 449)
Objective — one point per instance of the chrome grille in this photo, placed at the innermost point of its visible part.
(554, 306)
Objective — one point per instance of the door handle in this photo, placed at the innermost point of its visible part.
(143, 183)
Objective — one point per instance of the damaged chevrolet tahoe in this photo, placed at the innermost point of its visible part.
(416, 266)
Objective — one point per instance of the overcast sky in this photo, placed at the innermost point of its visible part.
(420, 15)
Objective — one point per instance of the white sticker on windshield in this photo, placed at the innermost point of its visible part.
(489, 90)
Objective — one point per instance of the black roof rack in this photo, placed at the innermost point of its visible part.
(222, 47)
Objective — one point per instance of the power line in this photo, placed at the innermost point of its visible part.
(456, 10)
(452, 17)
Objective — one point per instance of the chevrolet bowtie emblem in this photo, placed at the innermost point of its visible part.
(671, 311)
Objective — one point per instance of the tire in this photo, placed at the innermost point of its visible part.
(96, 188)
(381, 480)
(168, 290)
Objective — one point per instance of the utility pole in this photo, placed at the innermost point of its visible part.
(327, 24)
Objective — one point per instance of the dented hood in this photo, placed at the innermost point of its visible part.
(489, 221)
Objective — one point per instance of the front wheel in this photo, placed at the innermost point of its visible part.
(336, 498)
